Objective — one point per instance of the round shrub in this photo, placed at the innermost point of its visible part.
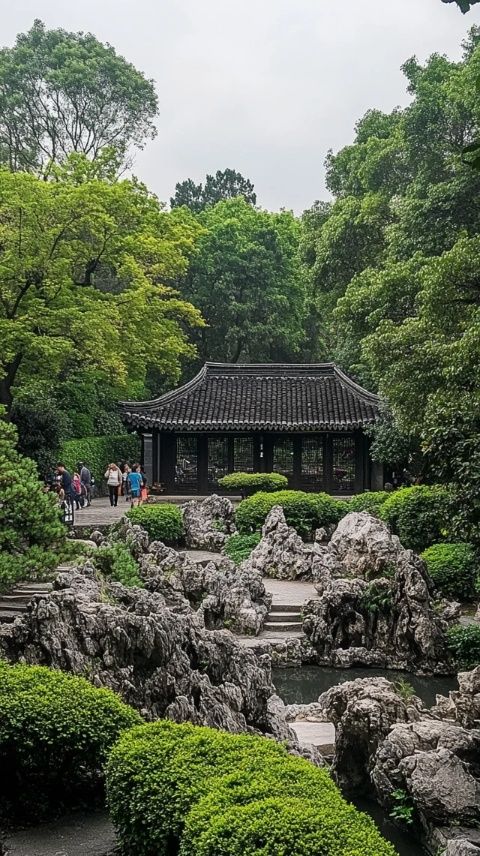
(172, 786)
(56, 731)
(304, 511)
(453, 568)
(249, 483)
(371, 501)
(464, 644)
(163, 521)
(239, 547)
(419, 515)
(282, 825)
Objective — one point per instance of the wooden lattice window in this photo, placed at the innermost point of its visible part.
(243, 455)
(186, 463)
(283, 456)
(344, 464)
(217, 460)
(312, 462)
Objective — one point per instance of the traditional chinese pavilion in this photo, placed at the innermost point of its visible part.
(305, 421)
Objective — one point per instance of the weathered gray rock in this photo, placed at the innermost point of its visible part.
(437, 764)
(461, 847)
(163, 663)
(224, 595)
(208, 523)
(281, 553)
(363, 712)
(135, 537)
(462, 705)
(365, 547)
(385, 622)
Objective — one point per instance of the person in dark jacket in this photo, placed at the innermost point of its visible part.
(65, 481)
(86, 480)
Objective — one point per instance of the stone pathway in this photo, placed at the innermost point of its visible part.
(320, 734)
(88, 834)
(100, 512)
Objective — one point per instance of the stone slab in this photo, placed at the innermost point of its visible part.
(89, 834)
(317, 733)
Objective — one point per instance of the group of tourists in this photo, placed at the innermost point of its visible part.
(76, 489)
(131, 482)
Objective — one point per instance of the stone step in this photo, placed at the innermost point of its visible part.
(17, 597)
(36, 588)
(8, 615)
(12, 605)
(284, 617)
(285, 607)
(285, 627)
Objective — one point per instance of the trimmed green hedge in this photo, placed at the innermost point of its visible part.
(98, 452)
(56, 731)
(464, 644)
(204, 791)
(239, 547)
(162, 520)
(453, 568)
(304, 511)
(249, 483)
(371, 501)
(419, 515)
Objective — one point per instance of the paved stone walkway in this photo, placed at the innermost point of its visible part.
(88, 834)
(321, 734)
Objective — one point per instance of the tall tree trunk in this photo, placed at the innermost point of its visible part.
(6, 383)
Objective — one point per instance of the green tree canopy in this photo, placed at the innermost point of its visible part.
(226, 184)
(245, 279)
(67, 92)
(87, 271)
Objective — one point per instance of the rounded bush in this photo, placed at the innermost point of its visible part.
(464, 644)
(283, 825)
(371, 501)
(453, 568)
(249, 483)
(239, 547)
(163, 521)
(172, 786)
(56, 731)
(419, 515)
(304, 511)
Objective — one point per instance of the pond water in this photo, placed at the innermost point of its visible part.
(305, 683)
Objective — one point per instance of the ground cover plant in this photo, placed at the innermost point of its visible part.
(454, 569)
(419, 515)
(464, 644)
(194, 790)
(250, 483)
(304, 511)
(163, 521)
(55, 734)
(116, 562)
(239, 547)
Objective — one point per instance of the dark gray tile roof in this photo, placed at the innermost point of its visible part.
(266, 397)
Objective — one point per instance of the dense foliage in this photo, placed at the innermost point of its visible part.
(223, 185)
(30, 523)
(304, 511)
(245, 279)
(419, 515)
(454, 569)
(97, 452)
(67, 92)
(239, 547)
(212, 792)
(163, 521)
(464, 644)
(371, 501)
(116, 562)
(55, 734)
(250, 483)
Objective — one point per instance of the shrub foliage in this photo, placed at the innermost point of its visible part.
(98, 452)
(371, 501)
(163, 521)
(453, 568)
(239, 547)
(208, 792)
(418, 515)
(250, 483)
(29, 519)
(464, 644)
(304, 511)
(116, 562)
(55, 734)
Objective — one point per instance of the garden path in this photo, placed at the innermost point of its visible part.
(89, 834)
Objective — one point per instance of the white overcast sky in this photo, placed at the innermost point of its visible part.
(265, 87)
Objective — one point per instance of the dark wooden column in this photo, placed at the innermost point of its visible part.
(359, 484)
(202, 463)
(167, 458)
(328, 464)
(297, 462)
